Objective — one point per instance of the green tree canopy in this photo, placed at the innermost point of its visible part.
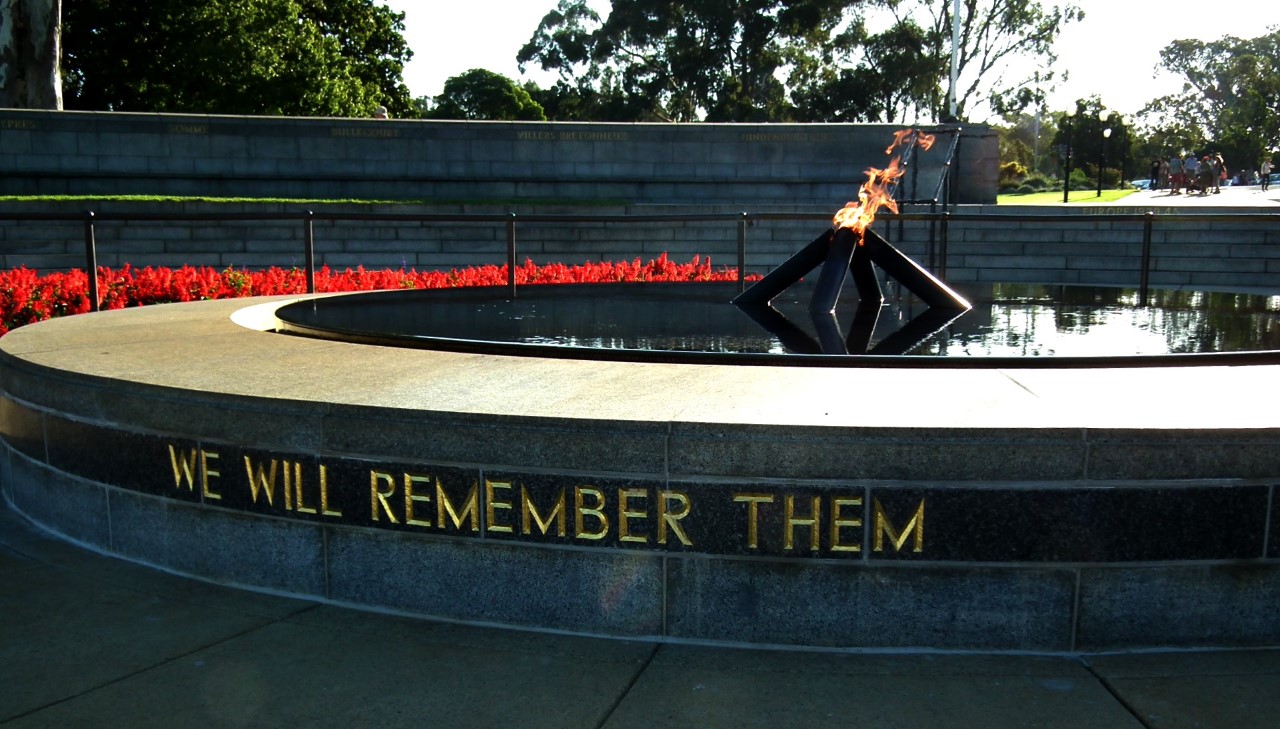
(1084, 132)
(284, 57)
(718, 60)
(793, 60)
(481, 94)
(860, 76)
(993, 33)
(1230, 101)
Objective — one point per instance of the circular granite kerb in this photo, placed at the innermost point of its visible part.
(1044, 510)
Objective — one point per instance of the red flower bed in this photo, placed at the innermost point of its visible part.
(26, 296)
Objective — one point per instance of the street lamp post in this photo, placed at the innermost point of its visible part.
(1124, 156)
(1102, 157)
(1066, 157)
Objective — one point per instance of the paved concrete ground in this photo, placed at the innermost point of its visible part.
(1244, 196)
(90, 641)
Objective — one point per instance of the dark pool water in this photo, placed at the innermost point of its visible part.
(1010, 324)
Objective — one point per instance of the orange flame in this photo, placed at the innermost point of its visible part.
(904, 136)
(900, 138)
(874, 193)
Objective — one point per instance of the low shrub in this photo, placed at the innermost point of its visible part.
(26, 296)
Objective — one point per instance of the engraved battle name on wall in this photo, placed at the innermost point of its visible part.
(572, 136)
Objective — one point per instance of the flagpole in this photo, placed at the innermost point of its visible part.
(955, 57)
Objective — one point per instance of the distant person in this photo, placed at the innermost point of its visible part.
(1207, 174)
(1219, 172)
(1264, 174)
(1191, 168)
(381, 113)
(1162, 181)
(1155, 174)
(1176, 179)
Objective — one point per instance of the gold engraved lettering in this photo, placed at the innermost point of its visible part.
(298, 506)
(883, 528)
(184, 467)
(378, 496)
(259, 481)
(289, 483)
(671, 518)
(410, 498)
(470, 509)
(626, 514)
(753, 502)
(814, 522)
(207, 473)
(785, 137)
(370, 132)
(324, 493)
(581, 512)
(188, 128)
(17, 124)
(837, 521)
(492, 504)
(529, 514)
(562, 136)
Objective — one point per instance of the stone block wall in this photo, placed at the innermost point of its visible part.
(984, 243)
(330, 158)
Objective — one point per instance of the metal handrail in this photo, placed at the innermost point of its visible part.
(741, 220)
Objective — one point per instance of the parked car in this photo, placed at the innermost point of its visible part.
(1140, 184)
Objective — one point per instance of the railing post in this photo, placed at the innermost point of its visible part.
(953, 184)
(309, 241)
(933, 234)
(1147, 220)
(91, 261)
(942, 247)
(742, 252)
(511, 256)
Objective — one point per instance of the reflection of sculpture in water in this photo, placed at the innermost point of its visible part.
(30, 49)
(852, 246)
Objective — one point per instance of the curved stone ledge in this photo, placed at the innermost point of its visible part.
(1040, 510)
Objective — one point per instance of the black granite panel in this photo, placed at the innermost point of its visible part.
(1180, 606)
(1273, 526)
(1068, 524)
(218, 544)
(561, 589)
(849, 605)
(150, 464)
(22, 429)
(789, 518)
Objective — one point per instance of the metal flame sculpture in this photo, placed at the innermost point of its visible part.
(851, 246)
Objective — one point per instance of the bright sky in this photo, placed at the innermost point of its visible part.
(1112, 53)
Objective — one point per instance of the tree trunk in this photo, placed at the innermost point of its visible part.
(30, 53)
